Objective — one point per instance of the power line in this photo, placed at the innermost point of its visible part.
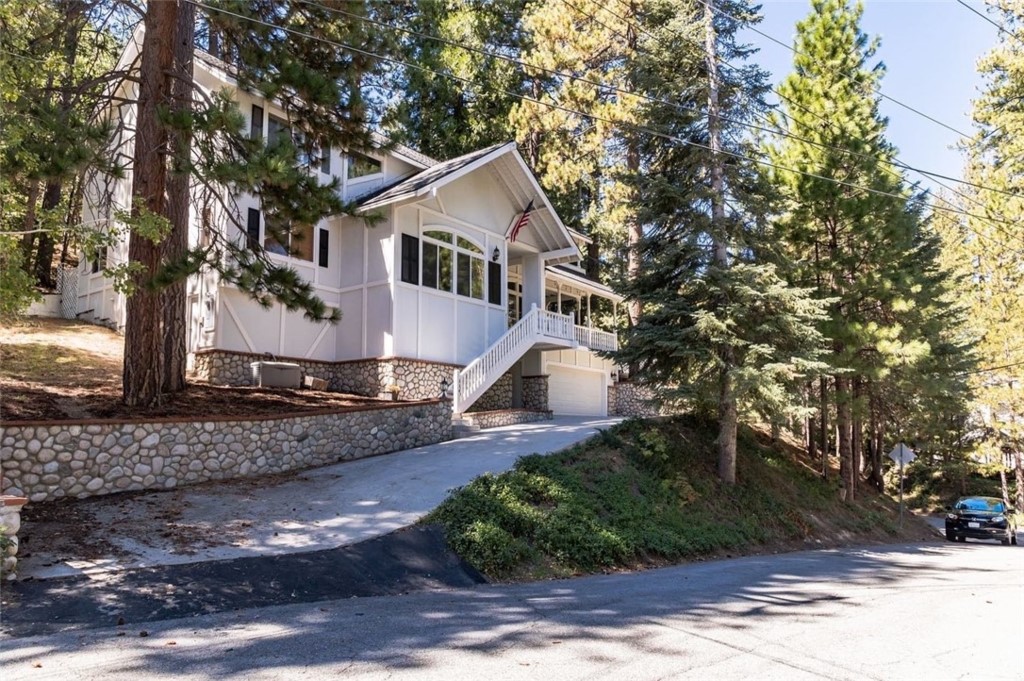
(621, 124)
(1002, 29)
(827, 122)
(799, 53)
(988, 369)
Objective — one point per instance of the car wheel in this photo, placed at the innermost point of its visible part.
(1013, 538)
(961, 539)
(950, 536)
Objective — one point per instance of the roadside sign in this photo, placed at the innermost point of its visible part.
(902, 454)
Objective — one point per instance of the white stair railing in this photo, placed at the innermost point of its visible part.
(480, 374)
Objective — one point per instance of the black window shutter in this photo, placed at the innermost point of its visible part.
(256, 126)
(410, 259)
(325, 248)
(325, 161)
(252, 228)
(494, 283)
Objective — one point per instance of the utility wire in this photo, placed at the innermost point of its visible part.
(988, 369)
(827, 122)
(1002, 29)
(795, 51)
(612, 88)
(621, 124)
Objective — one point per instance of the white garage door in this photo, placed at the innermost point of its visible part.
(575, 391)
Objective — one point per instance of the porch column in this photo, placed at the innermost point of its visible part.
(533, 281)
(590, 317)
(558, 291)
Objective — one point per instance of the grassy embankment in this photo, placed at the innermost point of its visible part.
(646, 493)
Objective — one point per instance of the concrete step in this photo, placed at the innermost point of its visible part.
(463, 427)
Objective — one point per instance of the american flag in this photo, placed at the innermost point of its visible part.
(523, 220)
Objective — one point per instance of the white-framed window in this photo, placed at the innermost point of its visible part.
(359, 166)
(446, 261)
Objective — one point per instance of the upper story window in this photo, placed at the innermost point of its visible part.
(278, 129)
(448, 262)
(361, 166)
(295, 241)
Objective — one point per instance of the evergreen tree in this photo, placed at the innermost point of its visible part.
(720, 327)
(443, 116)
(993, 243)
(849, 220)
(577, 133)
(54, 58)
(286, 52)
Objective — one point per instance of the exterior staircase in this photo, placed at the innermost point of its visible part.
(536, 328)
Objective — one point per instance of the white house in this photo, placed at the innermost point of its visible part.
(437, 293)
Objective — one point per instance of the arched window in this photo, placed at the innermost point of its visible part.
(447, 262)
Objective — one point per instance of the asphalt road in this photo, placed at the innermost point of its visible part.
(929, 611)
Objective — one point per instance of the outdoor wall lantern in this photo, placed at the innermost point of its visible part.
(496, 255)
(444, 387)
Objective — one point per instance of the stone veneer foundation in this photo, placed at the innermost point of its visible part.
(535, 393)
(50, 460)
(416, 379)
(497, 397)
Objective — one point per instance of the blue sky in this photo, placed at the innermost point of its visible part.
(930, 49)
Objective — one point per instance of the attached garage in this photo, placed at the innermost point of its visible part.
(576, 391)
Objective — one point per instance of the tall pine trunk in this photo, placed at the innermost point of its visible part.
(43, 265)
(857, 430)
(175, 246)
(823, 424)
(847, 475)
(28, 225)
(875, 432)
(143, 340)
(1018, 470)
(727, 411)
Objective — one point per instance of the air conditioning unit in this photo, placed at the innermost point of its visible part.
(276, 374)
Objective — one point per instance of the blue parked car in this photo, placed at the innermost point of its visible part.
(980, 518)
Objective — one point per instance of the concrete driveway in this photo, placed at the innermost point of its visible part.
(311, 510)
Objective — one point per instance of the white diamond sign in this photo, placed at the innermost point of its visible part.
(902, 454)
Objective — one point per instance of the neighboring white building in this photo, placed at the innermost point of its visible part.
(434, 292)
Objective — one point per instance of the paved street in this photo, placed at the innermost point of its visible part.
(932, 611)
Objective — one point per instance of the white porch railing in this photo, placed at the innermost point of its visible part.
(596, 339)
(480, 374)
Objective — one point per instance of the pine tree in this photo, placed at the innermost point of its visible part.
(287, 52)
(721, 328)
(994, 245)
(850, 220)
(445, 116)
(53, 59)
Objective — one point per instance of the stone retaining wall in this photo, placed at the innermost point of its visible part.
(505, 417)
(45, 461)
(631, 399)
(416, 379)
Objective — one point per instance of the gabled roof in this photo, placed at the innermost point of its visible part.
(515, 178)
(434, 176)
